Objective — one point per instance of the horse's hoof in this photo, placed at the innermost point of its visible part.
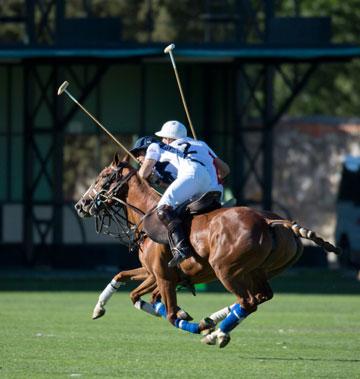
(206, 332)
(206, 326)
(181, 314)
(98, 312)
(210, 339)
(223, 339)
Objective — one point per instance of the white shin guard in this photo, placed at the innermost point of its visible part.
(146, 307)
(221, 314)
(109, 290)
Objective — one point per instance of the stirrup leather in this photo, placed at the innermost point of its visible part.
(178, 257)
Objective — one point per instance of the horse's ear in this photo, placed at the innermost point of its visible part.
(116, 159)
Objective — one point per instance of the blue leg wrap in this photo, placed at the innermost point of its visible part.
(160, 309)
(236, 315)
(191, 327)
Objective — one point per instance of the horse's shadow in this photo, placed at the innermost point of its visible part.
(302, 359)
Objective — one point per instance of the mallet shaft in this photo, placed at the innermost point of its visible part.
(181, 92)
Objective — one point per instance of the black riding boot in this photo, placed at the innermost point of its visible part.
(177, 238)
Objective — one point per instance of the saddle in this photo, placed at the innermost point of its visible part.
(205, 203)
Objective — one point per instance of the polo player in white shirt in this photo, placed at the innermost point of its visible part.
(198, 171)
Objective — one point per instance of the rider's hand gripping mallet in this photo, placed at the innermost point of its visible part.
(168, 50)
(63, 88)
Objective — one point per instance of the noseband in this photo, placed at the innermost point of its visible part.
(116, 176)
(114, 215)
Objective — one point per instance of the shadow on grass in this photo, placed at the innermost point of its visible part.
(302, 359)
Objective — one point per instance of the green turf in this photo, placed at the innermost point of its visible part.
(299, 280)
(51, 335)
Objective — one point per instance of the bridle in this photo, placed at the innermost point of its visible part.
(112, 216)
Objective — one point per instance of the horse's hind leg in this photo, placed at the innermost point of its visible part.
(207, 324)
(121, 278)
(251, 289)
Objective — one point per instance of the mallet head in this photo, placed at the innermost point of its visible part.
(169, 48)
(62, 88)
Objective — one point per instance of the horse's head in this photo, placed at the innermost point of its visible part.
(110, 182)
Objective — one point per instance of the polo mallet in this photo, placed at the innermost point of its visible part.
(63, 88)
(168, 50)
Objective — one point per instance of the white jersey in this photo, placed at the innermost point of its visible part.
(177, 159)
(164, 166)
(192, 177)
(201, 152)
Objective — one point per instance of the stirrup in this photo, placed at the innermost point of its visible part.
(177, 259)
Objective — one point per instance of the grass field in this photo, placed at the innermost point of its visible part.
(51, 335)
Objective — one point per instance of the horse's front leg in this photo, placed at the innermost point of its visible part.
(148, 285)
(168, 294)
(121, 278)
(207, 324)
(156, 301)
(169, 308)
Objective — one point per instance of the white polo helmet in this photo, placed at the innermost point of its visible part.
(172, 129)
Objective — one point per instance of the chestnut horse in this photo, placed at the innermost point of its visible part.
(241, 247)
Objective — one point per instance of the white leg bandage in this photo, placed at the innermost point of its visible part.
(109, 290)
(146, 307)
(221, 314)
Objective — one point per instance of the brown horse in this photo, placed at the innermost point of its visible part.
(240, 246)
(147, 285)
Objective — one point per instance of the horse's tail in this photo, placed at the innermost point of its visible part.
(308, 234)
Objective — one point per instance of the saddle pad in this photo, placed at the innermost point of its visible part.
(206, 203)
(154, 228)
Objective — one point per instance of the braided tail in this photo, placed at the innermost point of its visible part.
(308, 234)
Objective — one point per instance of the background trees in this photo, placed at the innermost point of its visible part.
(334, 91)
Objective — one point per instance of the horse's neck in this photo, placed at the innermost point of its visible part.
(142, 196)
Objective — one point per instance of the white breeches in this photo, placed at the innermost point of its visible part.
(186, 186)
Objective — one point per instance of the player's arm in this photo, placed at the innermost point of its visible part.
(151, 157)
(222, 168)
(146, 168)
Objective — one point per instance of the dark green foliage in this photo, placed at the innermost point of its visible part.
(334, 90)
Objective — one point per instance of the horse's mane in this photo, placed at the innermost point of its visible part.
(117, 161)
(148, 186)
